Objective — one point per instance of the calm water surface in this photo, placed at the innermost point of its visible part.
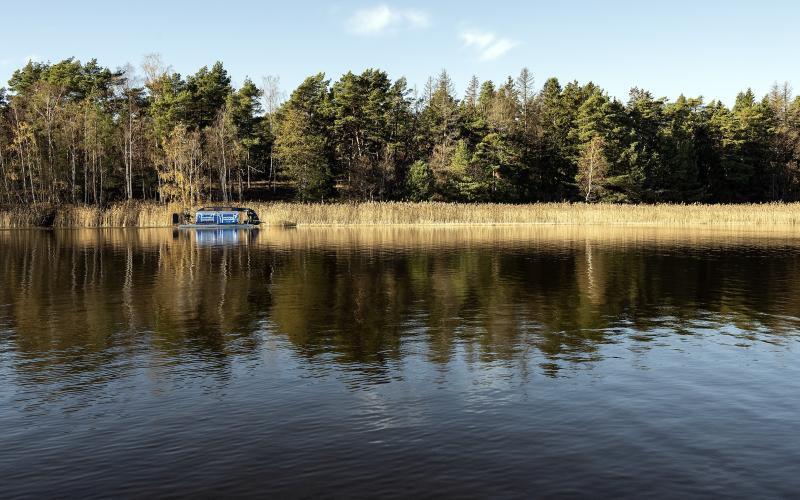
(499, 362)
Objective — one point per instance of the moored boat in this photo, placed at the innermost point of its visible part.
(221, 217)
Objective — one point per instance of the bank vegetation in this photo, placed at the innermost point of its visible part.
(81, 134)
(152, 214)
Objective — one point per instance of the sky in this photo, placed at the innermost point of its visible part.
(710, 48)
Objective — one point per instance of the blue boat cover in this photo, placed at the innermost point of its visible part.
(216, 217)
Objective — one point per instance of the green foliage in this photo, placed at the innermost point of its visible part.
(420, 181)
(367, 128)
(459, 184)
(303, 155)
(302, 143)
(74, 81)
(206, 91)
(81, 133)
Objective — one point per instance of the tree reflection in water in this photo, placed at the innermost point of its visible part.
(483, 361)
(84, 300)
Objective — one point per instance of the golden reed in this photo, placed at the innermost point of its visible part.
(148, 214)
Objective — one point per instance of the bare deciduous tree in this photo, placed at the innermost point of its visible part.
(273, 98)
(592, 167)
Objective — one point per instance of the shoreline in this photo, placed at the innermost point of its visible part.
(429, 214)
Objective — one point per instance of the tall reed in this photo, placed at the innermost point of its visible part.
(537, 213)
(141, 214)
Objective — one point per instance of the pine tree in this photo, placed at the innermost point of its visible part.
(302, 143)
(420, 181)
(207, 90)
(440, 120)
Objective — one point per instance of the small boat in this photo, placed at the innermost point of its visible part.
(220, 218)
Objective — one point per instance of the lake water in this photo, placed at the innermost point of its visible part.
(396, 362)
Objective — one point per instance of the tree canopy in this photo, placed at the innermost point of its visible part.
(75, 132)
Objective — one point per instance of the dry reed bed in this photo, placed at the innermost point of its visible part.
(140, 214)
(134, 214)
(119, 215)
(536, 213)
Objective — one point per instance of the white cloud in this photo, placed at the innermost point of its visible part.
(31, 58)
(384, 19)
(488, 45)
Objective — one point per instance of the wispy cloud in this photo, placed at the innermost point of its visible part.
(31, 58)
(384, 19)
(488, 45)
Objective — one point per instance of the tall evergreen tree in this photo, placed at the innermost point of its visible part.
(303, 144)
(440, 121)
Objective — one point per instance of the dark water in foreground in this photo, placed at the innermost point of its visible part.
(496, 362)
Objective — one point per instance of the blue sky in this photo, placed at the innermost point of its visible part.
(710, 48)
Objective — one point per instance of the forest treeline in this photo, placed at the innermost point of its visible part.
(81, 133)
